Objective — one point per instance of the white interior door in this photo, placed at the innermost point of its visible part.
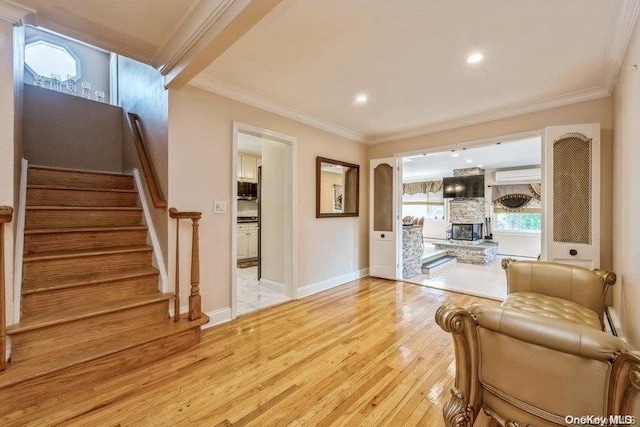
(571, 195)
(384, 255)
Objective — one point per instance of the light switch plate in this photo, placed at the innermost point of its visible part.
(219, 207)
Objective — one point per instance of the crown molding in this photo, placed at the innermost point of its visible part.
(589, 94)
(621, 29)
(212, 85)
(229, 91)
(13, 12)
(193, 26)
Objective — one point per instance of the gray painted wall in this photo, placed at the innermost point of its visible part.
(70, 132)
(141, 91)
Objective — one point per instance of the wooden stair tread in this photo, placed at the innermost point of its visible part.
(87, 351)
(79, 253)
(86, 311)
(84, 208)
(88, 172)
(89, 279)
(70, 188)
(85, 229)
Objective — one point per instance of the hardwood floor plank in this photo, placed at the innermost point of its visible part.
(366, 353)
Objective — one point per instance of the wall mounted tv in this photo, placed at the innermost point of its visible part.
(463, 186)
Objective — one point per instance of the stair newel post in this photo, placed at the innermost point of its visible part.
(195, 309)
(176, 300)
(6, 213)
(195, 304)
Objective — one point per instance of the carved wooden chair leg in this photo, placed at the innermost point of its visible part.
(457, 412)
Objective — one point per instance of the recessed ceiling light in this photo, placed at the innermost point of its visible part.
(469, 161)
(455, 155)
(361, 98)
(475, 58)
(406, 159)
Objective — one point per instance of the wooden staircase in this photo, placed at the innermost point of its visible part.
(90, 304)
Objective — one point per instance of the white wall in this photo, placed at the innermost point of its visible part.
(276, 161)
(518, 244)
(200, 133)
(435, 228)
(7, 160)
(626, 203)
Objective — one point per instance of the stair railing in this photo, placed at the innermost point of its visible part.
(6, 214)
(195, 303)
(145, 162)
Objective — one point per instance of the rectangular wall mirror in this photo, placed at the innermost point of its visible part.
(337, 188)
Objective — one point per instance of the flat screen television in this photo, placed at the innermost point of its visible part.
(463, 186)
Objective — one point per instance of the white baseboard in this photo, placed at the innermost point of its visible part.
(323, 285)
(274, 286)
(218, 316)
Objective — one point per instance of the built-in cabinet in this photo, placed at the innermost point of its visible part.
(247, 240)
(248, 168)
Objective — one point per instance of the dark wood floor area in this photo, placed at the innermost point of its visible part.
(365, 353)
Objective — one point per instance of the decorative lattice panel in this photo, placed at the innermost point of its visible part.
(572, 203)
(383, 198)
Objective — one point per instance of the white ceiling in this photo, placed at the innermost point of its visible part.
(141, 29)
(250, 144)
(505, 155)
(308, 59)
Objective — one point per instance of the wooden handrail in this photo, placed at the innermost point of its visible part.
(6, 214)
(195, 303)
(174, 213)
(145, 162)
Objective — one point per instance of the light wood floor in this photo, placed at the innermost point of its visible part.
(365, 353)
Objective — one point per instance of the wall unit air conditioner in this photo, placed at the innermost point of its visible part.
(528, 175)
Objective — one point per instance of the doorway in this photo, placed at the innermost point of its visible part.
(473, 207)
(567, 203)
(263, 218)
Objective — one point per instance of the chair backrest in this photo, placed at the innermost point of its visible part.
(569, 282)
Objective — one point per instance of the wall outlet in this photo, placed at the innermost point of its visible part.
(350, 264)
(220, 207)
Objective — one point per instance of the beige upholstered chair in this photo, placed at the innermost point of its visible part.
(537, 363)
(558, 291)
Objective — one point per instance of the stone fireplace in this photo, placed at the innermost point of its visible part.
(466, 216)
(467, 232)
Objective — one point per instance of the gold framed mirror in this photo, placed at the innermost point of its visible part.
(337, 188)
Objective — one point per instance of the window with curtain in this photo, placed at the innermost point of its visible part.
(516, 208)
(424, 199)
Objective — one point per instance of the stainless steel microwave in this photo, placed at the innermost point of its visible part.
(247, 190)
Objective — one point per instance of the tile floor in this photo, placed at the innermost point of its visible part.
(252, 296)
(487, 281)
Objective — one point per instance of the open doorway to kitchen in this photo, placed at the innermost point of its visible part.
(263, 262)
(466, 209)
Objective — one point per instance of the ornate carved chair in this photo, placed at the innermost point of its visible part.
(558, 291)
(527, 365)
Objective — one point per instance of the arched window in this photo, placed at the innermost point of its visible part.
(48, 59)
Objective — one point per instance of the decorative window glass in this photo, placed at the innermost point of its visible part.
(48, 59)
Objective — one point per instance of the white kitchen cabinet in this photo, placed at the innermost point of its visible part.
(247, 240)
(247, 168)
(253, 243)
